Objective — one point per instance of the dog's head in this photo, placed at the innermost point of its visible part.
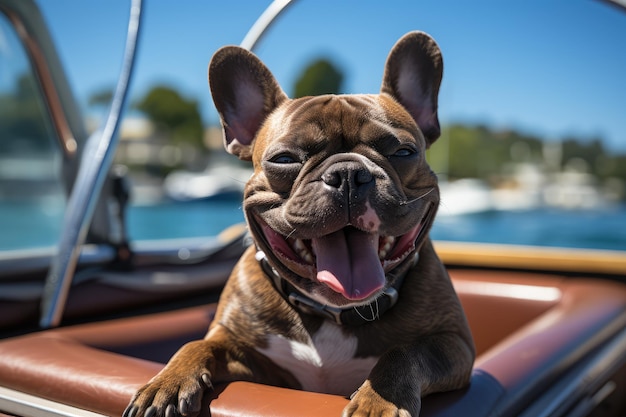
(341, 197)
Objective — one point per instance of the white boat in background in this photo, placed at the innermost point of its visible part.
(464, 196)
(529, 189)
(222, 181)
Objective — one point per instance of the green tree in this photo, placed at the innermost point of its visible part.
(592, 152)
(319, 77)
(479, 151)
(177, 116)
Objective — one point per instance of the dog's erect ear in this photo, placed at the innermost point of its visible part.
(244, 92)
(412, 76)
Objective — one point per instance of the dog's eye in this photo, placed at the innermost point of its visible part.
(281, 170)
(403, 152)
(284, 158)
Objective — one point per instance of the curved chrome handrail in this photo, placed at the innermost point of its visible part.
(95, 164)
(264, 21)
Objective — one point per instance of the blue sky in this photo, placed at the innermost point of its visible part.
(548, 67)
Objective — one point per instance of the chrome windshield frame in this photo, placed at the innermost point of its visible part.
(94, 168)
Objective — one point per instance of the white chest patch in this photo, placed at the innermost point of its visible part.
(326, 363)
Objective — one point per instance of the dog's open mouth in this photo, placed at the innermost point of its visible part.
(351, 262)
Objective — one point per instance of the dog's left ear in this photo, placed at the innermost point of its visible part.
(412, 76)
(244, 92)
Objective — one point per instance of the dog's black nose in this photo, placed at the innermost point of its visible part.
(351, 179)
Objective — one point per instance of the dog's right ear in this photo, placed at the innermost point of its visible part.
(244, 92)
(412, 76)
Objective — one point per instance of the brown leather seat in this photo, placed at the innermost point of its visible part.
(529, 330)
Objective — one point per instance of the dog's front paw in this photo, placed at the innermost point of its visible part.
(168, 395)
(367, 402)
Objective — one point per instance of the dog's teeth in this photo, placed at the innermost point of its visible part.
(386, 244)
(303, 252)
(299, 245)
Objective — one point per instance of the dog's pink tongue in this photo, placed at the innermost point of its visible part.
(347, 261)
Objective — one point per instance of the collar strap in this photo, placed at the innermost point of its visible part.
(351, 316)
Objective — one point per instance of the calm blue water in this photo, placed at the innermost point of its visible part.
(38, 223)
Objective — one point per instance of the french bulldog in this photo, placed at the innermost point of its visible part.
(342, 291)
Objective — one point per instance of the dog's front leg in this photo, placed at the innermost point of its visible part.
(180, 387)
(405, 374)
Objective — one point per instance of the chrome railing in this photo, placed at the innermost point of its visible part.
(94, 168)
